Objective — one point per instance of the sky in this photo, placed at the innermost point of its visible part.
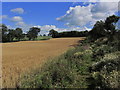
(61, 16)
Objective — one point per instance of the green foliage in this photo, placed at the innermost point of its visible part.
(79, 69)
(32, 33)
(11, 34)
(55, 34)
(18, 34)
(73, 34)
(8, 35)
(104, 28)
(107, 71)
(43, 38)
(63, 72)
(109, 23)
(4, 30)
(97, 31)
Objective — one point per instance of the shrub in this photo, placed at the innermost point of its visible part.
(105, 73)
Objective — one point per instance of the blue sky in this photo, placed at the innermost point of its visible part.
(39, 13)
(61, 16)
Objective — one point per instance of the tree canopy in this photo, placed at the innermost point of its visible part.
(55, 34)
(104, 28)
(18, 33)
(33, 32)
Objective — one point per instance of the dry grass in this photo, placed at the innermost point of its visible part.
(21, 57)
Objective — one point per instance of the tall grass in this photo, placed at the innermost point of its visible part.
(68, 70)
(86, 66)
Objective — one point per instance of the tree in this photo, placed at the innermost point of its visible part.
(106, 28)
(110, 23)
(4, 31)
(33, 32)
(11, 34)
(44, 34)
(98, 30)
(110, 26)
(53, 33)
(18, 33)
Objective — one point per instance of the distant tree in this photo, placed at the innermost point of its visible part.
(18, 33)
(44, 35)
(3, 32)
(11, 34)
(24, 36)
(53, 33)
(73, 34)
(33, 32)
(40, 35)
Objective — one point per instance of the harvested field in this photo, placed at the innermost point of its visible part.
(21, 57)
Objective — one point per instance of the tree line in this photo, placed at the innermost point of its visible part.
(8, 35)
(55, 34)
(100, 29)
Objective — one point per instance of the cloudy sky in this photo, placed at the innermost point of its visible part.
(61, 16)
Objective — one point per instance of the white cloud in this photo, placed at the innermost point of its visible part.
(16, 19)
(93, 0)
(21, 23)
(18, 10)
(10, 27)
(25, 27)
(3, 17)
(104, 9)
(78, 15)
(103, 0)
(74, 29)
(88, 15)
(46, 28)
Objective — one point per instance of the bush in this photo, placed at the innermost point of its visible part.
(105, 73)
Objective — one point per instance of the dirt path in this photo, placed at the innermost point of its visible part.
(20, 57)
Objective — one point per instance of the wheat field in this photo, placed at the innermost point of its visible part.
(21, 57)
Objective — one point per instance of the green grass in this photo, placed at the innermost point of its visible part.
(43, 38)
(37, 39)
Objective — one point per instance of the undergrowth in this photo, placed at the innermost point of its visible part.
(89, 65)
